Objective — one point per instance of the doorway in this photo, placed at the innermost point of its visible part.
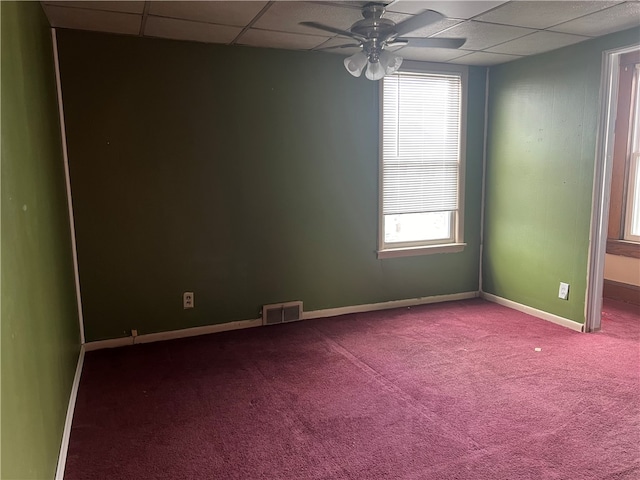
(605, 146)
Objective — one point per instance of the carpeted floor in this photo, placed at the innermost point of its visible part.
(444, 391)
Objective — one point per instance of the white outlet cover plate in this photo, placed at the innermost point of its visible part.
(563, 293)
(187, 300)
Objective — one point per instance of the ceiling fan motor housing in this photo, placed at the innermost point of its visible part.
(373, 26)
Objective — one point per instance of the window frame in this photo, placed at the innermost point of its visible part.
(457, 243)
(617, 243)
(633, 157)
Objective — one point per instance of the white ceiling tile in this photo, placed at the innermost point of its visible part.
(484, 59)
(483, 35)
(500, 29)
(434, 28)
(429, 54)
(125, 7)
(454, 9)
(292, 41)
(188, 30)
(220, 13)
(286, 16)
(97, 20)
(537, 43)
(612, 19)
(349, 3)
(541, 14)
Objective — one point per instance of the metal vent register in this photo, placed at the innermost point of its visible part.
(281, 313)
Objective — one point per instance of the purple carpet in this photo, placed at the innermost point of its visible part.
(443, 391)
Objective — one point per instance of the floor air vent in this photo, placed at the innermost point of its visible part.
(281, 313)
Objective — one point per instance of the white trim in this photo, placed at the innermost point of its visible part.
(172, 334)
(223, 327)
(602, 185)
(72, 226)
(421, 250)
(462, 163)
(484, 174)
(380, 167)
(110, 343)
(550, 317)
(195, 331)
(371, 307)
(66, 433)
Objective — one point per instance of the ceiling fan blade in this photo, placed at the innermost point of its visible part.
(398, 42)
(327, 28)
(348, 45)
(433, 42)
(418, 21)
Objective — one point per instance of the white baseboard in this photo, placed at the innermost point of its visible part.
(371, 307)
(111, 343)
(172, 334)
(534, 312)
(223, 327)
(66, 433)
(195, 331)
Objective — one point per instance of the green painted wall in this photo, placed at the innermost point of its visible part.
(40, 339)
(543, 115)
(249, 176)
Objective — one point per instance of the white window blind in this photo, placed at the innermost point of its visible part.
(421, 143)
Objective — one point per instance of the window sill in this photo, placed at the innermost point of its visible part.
(623, 248)
(423, 250)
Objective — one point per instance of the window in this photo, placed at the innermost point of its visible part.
(422, 162)
(632, 214)
(624, 210)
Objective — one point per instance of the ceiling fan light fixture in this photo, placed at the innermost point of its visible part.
(356, 63)
(390, 62)
(375, 71)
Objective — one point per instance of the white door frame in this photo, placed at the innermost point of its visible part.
(602, 185)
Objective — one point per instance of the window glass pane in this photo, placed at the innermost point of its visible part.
(413, 227)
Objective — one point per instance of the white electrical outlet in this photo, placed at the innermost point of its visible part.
(563, 293)
(188, 300)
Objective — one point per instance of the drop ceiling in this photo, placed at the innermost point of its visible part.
(496, 31)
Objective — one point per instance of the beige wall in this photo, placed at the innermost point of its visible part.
(622, 269)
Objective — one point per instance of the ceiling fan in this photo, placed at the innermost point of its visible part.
(375, 33)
